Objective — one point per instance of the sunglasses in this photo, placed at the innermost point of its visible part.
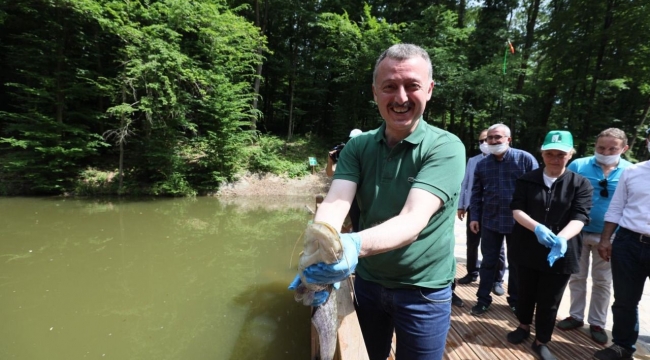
(603, 184)
(481, 141)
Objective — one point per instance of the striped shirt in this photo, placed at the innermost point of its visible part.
(494, 184)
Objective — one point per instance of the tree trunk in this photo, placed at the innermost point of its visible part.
(591, 99)
(291, 85)
(121, 140)
(533, 11)
(461, 14)
(638, 127)
(260, 22)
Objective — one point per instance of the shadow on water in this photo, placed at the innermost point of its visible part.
(270, 330)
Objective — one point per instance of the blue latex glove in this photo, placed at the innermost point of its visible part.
(557, 251)
(319, 296)
(322, 273)
(544, 235)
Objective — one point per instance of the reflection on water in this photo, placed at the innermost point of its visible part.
(150, 279)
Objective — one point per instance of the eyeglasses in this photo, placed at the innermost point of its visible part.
(603, 184)
(495, 137)
(481, 141)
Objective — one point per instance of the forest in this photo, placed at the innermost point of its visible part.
(175, 97)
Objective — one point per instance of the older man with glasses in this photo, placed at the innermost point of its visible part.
(474, 239)
(603, 171)
(492, 190)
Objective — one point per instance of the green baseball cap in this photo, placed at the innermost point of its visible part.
(558, 140)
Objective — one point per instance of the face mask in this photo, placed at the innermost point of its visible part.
(484, 148)
(607, 159)
(498, 148)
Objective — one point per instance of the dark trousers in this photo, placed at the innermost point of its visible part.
(544, 290)
(492, 250)
(630, 269)
(420, 318)
(473, 263)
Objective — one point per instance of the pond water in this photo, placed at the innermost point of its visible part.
(151, 279)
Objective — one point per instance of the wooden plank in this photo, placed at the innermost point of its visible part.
(350, 340)
(499, 320)
(457, 348)
(484, 340)
(315, 345)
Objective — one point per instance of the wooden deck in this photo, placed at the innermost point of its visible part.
(470, 337)
(484, 337)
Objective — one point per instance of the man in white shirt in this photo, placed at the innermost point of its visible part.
(629, 255)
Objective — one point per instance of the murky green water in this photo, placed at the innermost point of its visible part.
(149, 279)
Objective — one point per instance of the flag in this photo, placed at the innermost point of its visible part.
(505, 55)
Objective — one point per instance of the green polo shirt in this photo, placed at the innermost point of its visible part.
(430, 159)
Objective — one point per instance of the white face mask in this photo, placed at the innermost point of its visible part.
(498, 149)
(484, 148)
(607, 159)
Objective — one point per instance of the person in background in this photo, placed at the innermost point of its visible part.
(494, 183)
(332, 159)
(550, 206)
(474, 239)
(629, 254)
(333, 155)
(603, 171)
(406, 176)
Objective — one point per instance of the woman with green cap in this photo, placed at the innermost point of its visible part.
(550, 206)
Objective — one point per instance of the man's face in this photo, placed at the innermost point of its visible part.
(482, 138)
(401, 90)
(497, 136)
(607, 145)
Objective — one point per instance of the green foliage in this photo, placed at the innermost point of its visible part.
(266, 156)
(163, 91)
(167, 82)
(174, 185)
(93, 182)
(274, 155)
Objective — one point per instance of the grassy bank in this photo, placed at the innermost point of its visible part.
(265, 155)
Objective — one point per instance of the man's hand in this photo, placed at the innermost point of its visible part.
(474, 226)
(545, 236)
(319, 296)
(322, 273)
(605, 249)
(461, 214)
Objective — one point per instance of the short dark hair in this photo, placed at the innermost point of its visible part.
(403, 52)
(615, 133)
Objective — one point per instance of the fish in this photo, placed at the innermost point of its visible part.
(326, 322)
(321, 243)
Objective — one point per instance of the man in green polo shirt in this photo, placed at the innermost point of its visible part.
(406, 177)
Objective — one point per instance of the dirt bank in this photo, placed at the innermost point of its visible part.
(257, 185)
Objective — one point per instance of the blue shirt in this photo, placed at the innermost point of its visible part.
(589, 168)
(494, 184)
(468, 180)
